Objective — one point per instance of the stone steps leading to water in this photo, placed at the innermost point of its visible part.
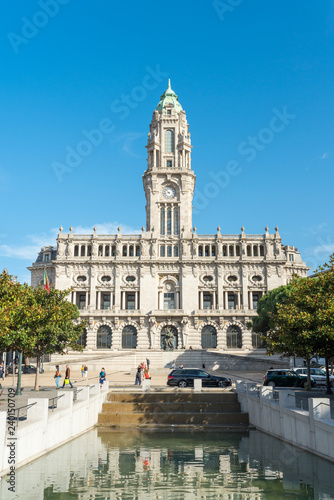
(173, 409)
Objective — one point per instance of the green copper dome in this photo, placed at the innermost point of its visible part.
(169, 97)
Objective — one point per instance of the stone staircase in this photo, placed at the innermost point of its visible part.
(171, 410)
(126, 360)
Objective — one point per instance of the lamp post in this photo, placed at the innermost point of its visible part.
(18, 387)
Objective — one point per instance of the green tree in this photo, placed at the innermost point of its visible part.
(267, 306)
(36, 322)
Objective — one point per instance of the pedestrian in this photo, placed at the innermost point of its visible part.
(148, 363)
(67, 379)
(2, 371)
(147, 374)
(82, 371)
(203, 366)
(173, 365)
(57, 376)
(138, 375)
(102, 376)
(86, 370)
(181, 366)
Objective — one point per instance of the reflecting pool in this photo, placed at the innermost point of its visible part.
(132, 465)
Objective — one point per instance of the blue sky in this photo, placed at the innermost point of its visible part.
(68, 66)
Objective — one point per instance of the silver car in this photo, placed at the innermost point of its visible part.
(317, 374)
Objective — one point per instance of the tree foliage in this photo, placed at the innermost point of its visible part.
(37, 322)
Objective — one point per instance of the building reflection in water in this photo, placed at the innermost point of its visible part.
(174, 465)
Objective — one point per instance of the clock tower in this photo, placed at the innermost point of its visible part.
(169, 181)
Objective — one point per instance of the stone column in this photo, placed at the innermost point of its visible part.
(214, 300)
(99, 300)
(123, 300)
(74, 297)
(177, 302)
(238, 300)
(201, 300)
(250, 300)
(226, 300)
(136, 300)
(111, 300)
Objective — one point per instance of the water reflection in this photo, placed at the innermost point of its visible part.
(178, 466)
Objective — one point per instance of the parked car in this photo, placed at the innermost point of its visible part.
(184, 377)
(286, 378)
(317, 374)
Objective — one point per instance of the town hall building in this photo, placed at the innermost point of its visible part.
(169, 282)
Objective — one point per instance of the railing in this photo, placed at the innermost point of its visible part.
(53, 405)
(19, 418)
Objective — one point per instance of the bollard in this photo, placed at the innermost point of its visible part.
(146, 385)
(197, 384)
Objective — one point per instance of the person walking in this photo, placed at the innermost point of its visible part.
(138, 375)
(102, 376)
(148, 363)
(147, 374)
(67, 379)
(2, 371)
(82, 371)
(86, 370)
(57, 376)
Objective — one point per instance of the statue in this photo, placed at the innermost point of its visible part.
(168, 340)
(153, 330)
(185, 327)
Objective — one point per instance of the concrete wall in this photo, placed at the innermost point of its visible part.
(45, 430)
(311, 430)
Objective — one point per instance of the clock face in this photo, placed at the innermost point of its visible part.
(169, 192)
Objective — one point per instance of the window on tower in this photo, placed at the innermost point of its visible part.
(169, 221)
(162, 221)
(169, 141)
(176, 220)
(169, 163)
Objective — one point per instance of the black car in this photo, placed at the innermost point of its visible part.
(185, 378)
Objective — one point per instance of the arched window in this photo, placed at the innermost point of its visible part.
(169, 141)
(234, 337)
(82, 340)
(209, 337)
(200, 251)
(137, 251)
(89, 251)
(176, 251)
(168, 339)
(162, 221)
(129, 337)
(162, 251)
(255, 251)
(231, 251)
(213, 251)
(237, 250)
(169, 251)
(113, 250)
(106, 251)
(207, 251)
(224, 250)
(131, 251)
(100, 251)
(125, 251)
(76, 251)
(261, 251)
(249, 251)
(257, 341)
(103, 337)
(83, 251)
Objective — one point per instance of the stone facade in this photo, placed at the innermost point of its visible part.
(138, 291)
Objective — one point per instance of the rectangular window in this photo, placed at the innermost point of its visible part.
(207, 301)
(290, 257)
(106, 301)
(82, 301)
(162, 251)
(231, 301)
(162, 221)
(169, 251)
(176, 220)
(47, 257)
(256, 298)
(169, 111)
(169, 221)
(130, 303)
(169, 301)
(169, 163)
